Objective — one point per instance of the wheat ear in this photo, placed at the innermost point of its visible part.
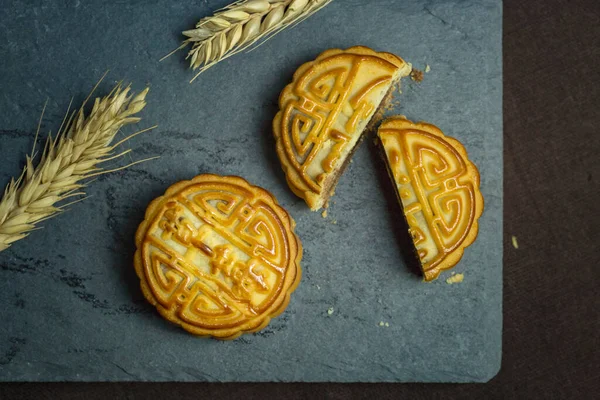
(240, 25)
(80, 145)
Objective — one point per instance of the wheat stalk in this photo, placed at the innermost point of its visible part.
(80, 145)
(240, 25)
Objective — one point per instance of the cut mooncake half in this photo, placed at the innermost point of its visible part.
(218, 256)
(331, 102)
(438, 189)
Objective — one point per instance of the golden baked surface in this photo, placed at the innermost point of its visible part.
(324, 111)
(217, 256)
(439, 190)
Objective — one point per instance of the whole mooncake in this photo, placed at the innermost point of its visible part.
(217, 256)
(438, 189)
(324, 112)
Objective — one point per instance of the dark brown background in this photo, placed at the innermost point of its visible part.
(551, 343)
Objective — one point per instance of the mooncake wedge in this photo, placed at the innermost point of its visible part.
(217, 256)
(325, 111)
(438, 189)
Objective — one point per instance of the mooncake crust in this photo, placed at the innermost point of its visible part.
(200, 323)
(448, 174)
(315, 194)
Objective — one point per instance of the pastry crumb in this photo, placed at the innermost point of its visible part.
(455, 278)
(333, 221)
(427, 68)
(324, 214)
(381, 323)
(514, 242)
(399, 87)
(416, 75)
(387, 324)
(391, 106)
(330, 311)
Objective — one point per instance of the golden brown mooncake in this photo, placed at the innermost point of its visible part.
(218, 256)
(324, 112)
(438, 189)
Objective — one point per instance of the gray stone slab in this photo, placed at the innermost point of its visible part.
(71, 305)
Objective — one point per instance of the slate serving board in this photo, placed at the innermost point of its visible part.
(71, 304)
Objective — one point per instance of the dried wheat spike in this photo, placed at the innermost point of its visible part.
(240, 25)
(74, 154)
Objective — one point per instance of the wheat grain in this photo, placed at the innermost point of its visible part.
(240, 25)
(74, 154)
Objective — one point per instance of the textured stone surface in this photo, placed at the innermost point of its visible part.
(72, 308)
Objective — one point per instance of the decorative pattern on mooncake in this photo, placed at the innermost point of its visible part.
(438, 187)
(218, 256)
(324, 112)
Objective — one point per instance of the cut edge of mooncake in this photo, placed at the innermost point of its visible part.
(331, 182)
